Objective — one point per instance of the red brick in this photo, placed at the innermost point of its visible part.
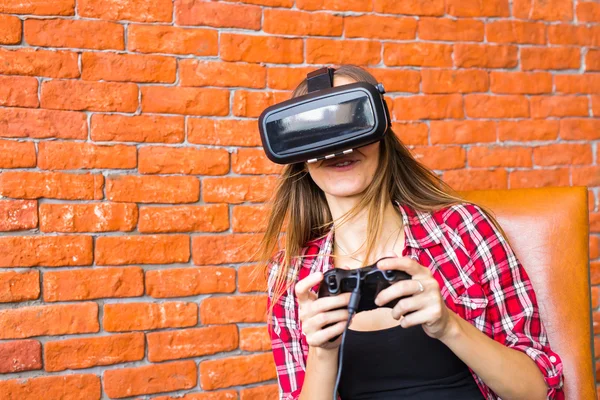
(499, 156)
(476, 179)
(137, 128)
(93, 351)
(85, 34)
(550, 58)
(237, 189)
(185, 100)
(148, 316)
(249, 218)
(55, 185)
(19, 286)
(415, 134)
(586, 176)
(15, 154)
(334, 5)
(562, 154)
(568, 34)
(208, 218)
(260, 392)
(559, 106)
(128, 67)
(595, 222)
(233, 371)
(521, 82)
(588, 12)
(594, 253)
(588, 83)
(270, 3)
(547, 10)
(20, 355)
(147, 379)
(291, 22)
(486, 106)
(527, 130)
(252, 104)
(10, 29)
(222, 249)
(93, 217)
(218, 395)
(285, 78)
(226, 132)
(380, 27)
(257, 49)
(328, 51)
(146, 249)
(253, 161)
(182, 282)
(516, 32)
(462, 132)
(185, 343)
(428, 107)
(255, 339)
(220, 15)
(417, 54)
(51, 251)
(485, 56)
(451, 29)
(40, 124)
(18, 91)
(57, 7)
(58, 319)
(89, 96)
(65, 387)
(35, 62)
(172, 40)
(153, 189)
(131, 10)
(592, 60)
(183, 160)
(539, 178)
(440, 157)
(397, 80)
(211, 73)
(478, 8)
(410, 7)
(97, 283)
(228, 309)
(77, 155)
(595, 105)
(454, 81)
(252, 278)
(580, 129)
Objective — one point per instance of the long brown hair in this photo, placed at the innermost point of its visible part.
(300, 204)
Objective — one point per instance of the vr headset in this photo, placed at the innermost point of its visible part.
(326, 122)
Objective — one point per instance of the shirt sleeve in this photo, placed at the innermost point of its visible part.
(512, 314)
(286, 343)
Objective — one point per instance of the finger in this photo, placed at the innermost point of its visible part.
(324, 320)
(416, 318)
(323, 336)
(304, 285)
(331, 303)
(399, 289)
(408, 305)
(405, 264)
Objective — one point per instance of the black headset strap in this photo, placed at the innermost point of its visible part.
(320, 79)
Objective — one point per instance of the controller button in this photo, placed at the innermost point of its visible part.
(332, 283)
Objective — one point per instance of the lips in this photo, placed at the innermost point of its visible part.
(338, 160)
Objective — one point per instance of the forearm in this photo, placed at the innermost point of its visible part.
(510, 373)
(321, 371)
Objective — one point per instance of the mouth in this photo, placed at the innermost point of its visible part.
(340, 162)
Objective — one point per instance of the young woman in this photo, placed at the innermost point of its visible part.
(473, 329)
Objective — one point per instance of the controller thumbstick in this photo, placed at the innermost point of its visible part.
(332, 283)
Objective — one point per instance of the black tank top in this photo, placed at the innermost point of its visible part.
(403, 363)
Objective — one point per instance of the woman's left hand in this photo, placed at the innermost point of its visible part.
(427, 306)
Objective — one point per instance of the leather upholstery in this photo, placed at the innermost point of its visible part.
(548, 228)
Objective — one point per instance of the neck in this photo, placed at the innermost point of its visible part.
(351, 237)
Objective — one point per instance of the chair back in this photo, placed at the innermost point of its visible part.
(548, 229)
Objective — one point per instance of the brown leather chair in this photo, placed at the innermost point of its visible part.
(548, 228)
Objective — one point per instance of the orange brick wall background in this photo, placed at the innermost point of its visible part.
(132, 177)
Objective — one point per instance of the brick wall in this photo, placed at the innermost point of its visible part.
(132, 178)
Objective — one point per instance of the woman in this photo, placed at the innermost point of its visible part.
(468, 327)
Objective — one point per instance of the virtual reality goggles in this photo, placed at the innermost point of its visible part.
(326, 122)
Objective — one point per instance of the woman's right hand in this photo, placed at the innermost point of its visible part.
(315, 314)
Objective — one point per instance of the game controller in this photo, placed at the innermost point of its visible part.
(372, 281)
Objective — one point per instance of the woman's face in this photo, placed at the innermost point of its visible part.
(350, 174)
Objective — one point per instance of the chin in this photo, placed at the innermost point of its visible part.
(345, 190)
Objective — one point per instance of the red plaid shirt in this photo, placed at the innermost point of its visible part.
(480, 279)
